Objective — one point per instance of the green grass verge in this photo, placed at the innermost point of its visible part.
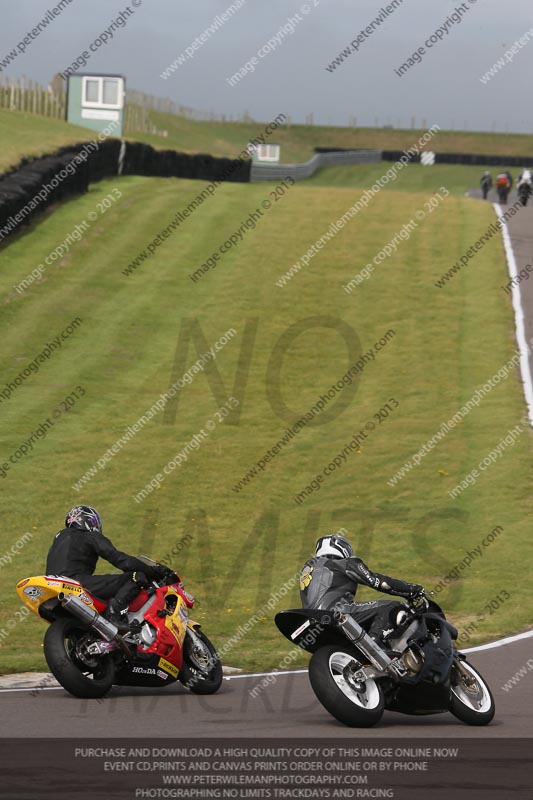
(245, 546)
(457, 178)
(298, 141)
(23, 135)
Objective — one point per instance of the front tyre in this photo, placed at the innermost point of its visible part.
(471, 699)
(356, 705)
(80, 673)
(202, 669)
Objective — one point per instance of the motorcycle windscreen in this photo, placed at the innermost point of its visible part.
(148, 561)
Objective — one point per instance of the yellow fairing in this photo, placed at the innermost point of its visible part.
(177, 621)
(37, 590)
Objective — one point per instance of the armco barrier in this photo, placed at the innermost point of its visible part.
(330, 157)
(271, 172)
(34, 185)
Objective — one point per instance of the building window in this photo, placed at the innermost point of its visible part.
(102, 92)
(91, 91)
(110, 92)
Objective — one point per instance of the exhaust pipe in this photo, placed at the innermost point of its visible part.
(356, 634)
(89, 616)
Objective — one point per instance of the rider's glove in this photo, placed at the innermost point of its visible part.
(160, 572)
(415, 589)
(140, 579)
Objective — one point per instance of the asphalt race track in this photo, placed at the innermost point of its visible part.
(285, 708)
(521, 232)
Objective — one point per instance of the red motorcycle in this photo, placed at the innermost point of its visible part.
(87, 656)
(503, 187)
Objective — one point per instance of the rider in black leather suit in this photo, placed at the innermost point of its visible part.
(75, 552)
(330, 580)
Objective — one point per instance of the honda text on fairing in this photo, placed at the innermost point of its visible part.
(417, 671)
(87, 655)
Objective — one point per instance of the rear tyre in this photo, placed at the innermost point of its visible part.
(202, 669)
(356, 705)
(471, 699)
(80, 673)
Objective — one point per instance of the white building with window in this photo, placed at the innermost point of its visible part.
(96, 100)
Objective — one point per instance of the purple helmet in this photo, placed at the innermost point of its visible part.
(86, 518)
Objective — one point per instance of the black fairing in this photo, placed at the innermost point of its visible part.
(424, 698)
(434, 639)
(429, 691)
(320, 631)
(143, 670)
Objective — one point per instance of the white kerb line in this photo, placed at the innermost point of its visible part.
(525, 368)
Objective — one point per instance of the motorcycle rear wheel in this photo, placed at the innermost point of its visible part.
(357, 707)
(202, 669)
(83, 676)
(471, 699)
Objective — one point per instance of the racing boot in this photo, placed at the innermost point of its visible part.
(117, 608)
(117, 613)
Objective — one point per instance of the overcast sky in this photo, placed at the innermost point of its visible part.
(445, 88)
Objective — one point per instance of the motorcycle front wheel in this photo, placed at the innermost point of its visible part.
(353, 704)
(202, 669)
(471, 699)
(80, 673)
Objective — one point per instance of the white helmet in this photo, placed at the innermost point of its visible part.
(333, 547)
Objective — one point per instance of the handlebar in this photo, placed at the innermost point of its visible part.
(420, 602)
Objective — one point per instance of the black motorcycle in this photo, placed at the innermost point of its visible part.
(524, 192)
(486, 184)
(417, 670)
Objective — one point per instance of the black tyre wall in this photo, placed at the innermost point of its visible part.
(20, 187)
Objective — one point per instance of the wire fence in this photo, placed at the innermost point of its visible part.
(21, 94)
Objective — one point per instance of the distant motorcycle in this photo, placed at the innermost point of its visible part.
(503, 187)
(418, 671)
(87, 656)
(524, 192)
(486, 184)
